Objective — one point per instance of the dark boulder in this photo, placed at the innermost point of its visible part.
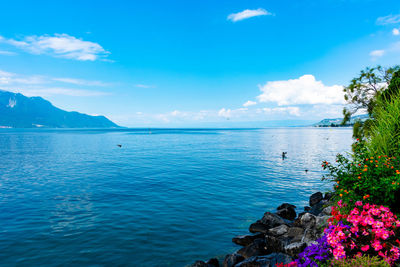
(315, 198)
(328, 196)
(213, 262)
(271, 220)
(306, 221)
(279, 230)
(258, 227)
(288, 213)
(245, 240)
(294, 249)
(201, 264)
(317, 208)
(273, 244)
(285, 206)
(232, 259)
(266, 261)
(257, 248)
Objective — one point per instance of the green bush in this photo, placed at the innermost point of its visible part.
(363, 261)
(384, 136)
(375, 179)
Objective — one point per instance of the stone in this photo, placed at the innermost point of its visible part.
(285, 206)
(317, 208)
(294, 249)
(245, 240)
(200, 264)
(258, 227)
(271, 220)
(327, 211)
(322, 222)
(306, 221)
(279, 230)
(273, 244)
(315, 198)
(288, 213)
(328, 195)
(257, 248)
(294, 234)
(232, 259)
(266, 261)
(306, 209)
(213, 262)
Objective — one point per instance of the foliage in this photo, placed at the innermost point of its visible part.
(367, 229)
(385, 131)
(376, 178)
(363, 91)
(365, 261)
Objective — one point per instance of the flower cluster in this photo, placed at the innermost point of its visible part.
(315, 254)
(366, 229)
(368, 178)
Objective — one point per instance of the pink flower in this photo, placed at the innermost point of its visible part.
(365, 248)
(358, 203)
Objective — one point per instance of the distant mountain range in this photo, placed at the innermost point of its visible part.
(19, 111)
(337, 122)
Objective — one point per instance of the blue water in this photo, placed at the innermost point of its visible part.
(165, 198)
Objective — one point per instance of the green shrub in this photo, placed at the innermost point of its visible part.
(384, 136)
(363, 261)
(375, 179)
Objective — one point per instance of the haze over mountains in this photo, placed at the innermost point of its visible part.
(19, 111)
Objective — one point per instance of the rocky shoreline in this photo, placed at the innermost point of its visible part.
(278, 237)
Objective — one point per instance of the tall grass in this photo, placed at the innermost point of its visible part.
(384, 135)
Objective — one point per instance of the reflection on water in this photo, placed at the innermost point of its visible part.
(73, 197)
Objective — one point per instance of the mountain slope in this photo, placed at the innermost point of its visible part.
(19, 111)
(337, 121)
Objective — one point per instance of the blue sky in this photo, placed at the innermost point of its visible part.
(195, 63)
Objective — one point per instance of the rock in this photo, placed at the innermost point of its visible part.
(285, 206)
(306, 221)
(273, 244)
(258, 227)
(322, 222)
(315, 198)
(294, 234)
(200, 264)
(213, 262)
(288, 213)
(317, 208)
(266, 261)
(310, 235)
(257, 248)
(294, 249)
(245, 240)
(306, 209)
(279, 230)
(271, 220)
(328, 195)
(327, 211)
(232, 259)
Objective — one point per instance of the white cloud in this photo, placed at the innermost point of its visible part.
(249, 103)
(226, 113)
(376, 54)
(7, 53)
(59, 45)
(81, 82)
(248, 13)
(396, 31)
(390, 19)
(295, 111)
(304, 90)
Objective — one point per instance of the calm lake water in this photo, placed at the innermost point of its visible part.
(165, 198)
